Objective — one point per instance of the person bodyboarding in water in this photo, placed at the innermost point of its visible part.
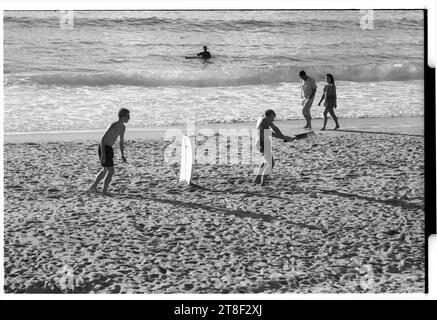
(205, 54)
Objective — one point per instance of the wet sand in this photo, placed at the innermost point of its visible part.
(343, 212)
(401, 125)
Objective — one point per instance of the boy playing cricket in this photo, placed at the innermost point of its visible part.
(263, 143)
(106, 152)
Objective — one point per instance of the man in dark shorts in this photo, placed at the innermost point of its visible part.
(106, 152)
(205, 54)
(264, 144)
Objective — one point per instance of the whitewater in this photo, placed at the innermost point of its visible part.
(70, 79)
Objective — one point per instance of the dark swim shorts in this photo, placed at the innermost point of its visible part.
(109, 156)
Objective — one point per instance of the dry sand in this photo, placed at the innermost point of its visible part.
(343, 212)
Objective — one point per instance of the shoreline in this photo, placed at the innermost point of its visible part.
(390, 125)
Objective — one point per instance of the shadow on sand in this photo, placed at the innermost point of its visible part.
(192, 205)
(391, 202)
(265, 194)
(377, 132)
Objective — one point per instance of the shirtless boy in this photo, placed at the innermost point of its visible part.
(106, 152)
(266, 123)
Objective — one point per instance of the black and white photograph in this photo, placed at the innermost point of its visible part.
(214, 151)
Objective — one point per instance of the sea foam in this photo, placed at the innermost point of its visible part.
(225, 78)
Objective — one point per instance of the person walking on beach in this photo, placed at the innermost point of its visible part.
(106, 152)
(264, 146)
(308, 90)
(330, 96)
(205, 54)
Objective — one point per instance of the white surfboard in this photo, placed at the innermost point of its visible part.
(187, 159)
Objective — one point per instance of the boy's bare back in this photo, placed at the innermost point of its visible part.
(263, 124)
(115, 130)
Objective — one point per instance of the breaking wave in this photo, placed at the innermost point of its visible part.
(224, 78)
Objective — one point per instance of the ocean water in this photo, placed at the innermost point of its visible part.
(74, 79)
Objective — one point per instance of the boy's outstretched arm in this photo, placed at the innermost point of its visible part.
(281, 136)
(275, 128)
(122, 144)
(278, 134)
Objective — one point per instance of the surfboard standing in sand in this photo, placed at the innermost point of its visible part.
(187, 158)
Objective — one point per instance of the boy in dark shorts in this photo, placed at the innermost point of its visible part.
(264, 144)
(106, 152)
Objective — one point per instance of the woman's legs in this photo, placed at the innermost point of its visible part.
(331, 111)
(325, 118)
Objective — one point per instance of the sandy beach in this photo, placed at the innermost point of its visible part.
(343, 212)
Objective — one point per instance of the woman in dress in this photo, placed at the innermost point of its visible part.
(330, 96)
